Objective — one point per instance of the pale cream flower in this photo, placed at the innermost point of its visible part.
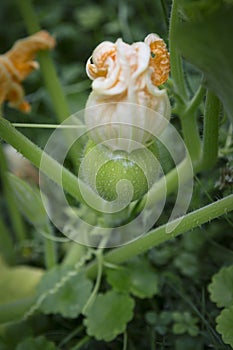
(125, 90)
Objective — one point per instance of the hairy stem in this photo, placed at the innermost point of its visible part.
(191, 137)
(49, 249)
(210, 136)
(175, 58)
(160, 235)
(33, 153)
(46, 64)
(195, 102)
(188, 122)
(14, 311)
(75, 253)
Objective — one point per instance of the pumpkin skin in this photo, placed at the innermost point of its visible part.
(103, 169)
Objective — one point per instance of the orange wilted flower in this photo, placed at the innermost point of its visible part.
(17, 63)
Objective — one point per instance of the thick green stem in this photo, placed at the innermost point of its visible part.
(190, 127)
(210, 136)
(168, 186)
(14, 311)
(189, 122)
(175, 58)
(160, 235)
(191, 137)
(33, 153)
(49, 249)
(99, 258)
(53, 85)
(48, 70)
(16, 219)
(195, 101)
(75, 253)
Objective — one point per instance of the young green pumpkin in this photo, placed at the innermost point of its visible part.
(103, 170)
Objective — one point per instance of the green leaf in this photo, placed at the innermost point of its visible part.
(29, 201)
(196, 9)
(36, 344)
(108, 315)
(179, 328)
(185, 342)
(137, 277)
(2, 345)
(89, 16)
(221, 287)
(151, 318)
(160, 321)
(119, 279)
(185, 323)
(66, 290)
(193, 331)
(225, 325)
(18, 282)
(177, 316)
(211, 51)
(187, 263)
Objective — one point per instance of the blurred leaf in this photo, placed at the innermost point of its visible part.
(186, 343)
(89, 16)
(66, 31)
(160, 321)
(17, 282)
(16, 332)
(179, 328)
(194, 240)
(165, 317)
(187, 263)
(225, 325)
(108, 315)
(185, 323)
(2, 345)
(151, 318)
(211, 51)
(119, 279)
(71, 72)
(66, 291)
(162, 255)
(137, 277)
(221, 287)
(29, 201)
(36, 344)
(196, 9)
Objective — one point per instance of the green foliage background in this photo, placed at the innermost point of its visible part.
(173, 307)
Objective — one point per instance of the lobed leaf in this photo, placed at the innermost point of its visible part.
(108, 315)
(137, 277)
(225, 325)
(221, 287)
(36, 344)
(66, 290)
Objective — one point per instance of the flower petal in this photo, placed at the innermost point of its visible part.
(23, 52)
(17, 63)
(125, 97)
(159, 60)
